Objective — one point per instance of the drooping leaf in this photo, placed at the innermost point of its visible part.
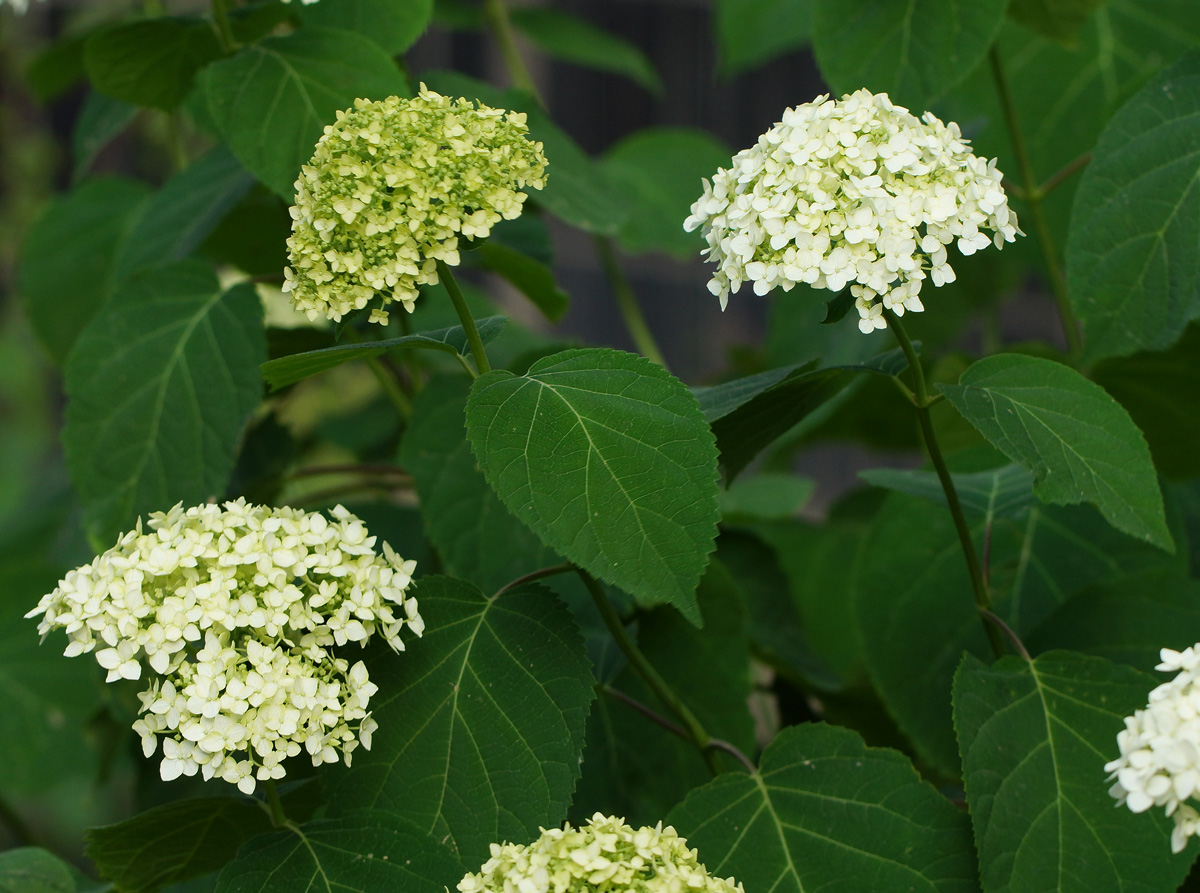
(1001, 492)
(1058, 19)
(1080, 443)
(913, 51)
(57, 68)
(480, 722)
(453, 340)
(152, 62)
(1156, 387)
(768, 496)
(577, 189)
(658, 171)
(34, 870)
(1133, 250)
(179, 217)
(159, 386)
(1035, 737)
(475, 535)
(608, 459)
(637, 769)
(915, 609)
(63, 293)
(752, 32)
(828, 812)
(101, 120)
(272, 100)
(1127, 620)
(175, 842)
(363, 852)
(572, 39)
(531, 277)
(393, 24)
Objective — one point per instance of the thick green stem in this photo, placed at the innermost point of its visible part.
(552, 571)
(631, 311)
(502, 30)
(649, 675)
(220, 11)
(464, 315)
(278, 817)
(1034, 194)
(922, 403)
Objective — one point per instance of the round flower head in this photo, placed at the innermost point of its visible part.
(852, 192)
(606, 854)
(390, 189)
(236, 610)
(1160, 748)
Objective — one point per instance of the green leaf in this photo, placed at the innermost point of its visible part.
(1080, 443)
(828, 812)
(1058, 19)
(480, 722)
(60, 297)
(180, 216)
(152, 62)
(608, 459)
(999, 493)
(393, 24)
(577, 189)
(916, 614)
(175, 842)
(453, 340)
(767, 496)
(752, 32)
(658, 172)
(1133, 250)
(273, 99)
(160, 385)
(33, 870)
(635, 768)
(57, 68)
(1127, 620)
(913, 51)
(836, 310)
(474, 534)
(364, 852)
(1035, 737)
(531, 277)
(564, 36)
(101, 120)
(748, 413)
(1156, 387)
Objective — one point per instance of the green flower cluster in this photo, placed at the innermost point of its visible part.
(605, 856)
(391, 187)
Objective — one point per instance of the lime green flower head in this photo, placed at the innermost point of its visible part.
(604, 855)
(390, 189)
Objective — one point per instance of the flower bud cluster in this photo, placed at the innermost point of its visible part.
(391, 188)
(853, 192)
(1160, 748)
(236, 610)
(606, 854)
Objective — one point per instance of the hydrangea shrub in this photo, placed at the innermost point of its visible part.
(426, 601)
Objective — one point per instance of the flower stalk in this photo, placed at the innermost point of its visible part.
(631, 311)
(464, 314)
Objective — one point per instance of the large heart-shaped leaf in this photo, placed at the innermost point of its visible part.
(607, 457)
(572, 39)
(751, 32)
(1079, 442)
(152, 62)
(34, 870)
(1001, 492)
(914, 50)
(1035, 737)
(1133, 252)
(393, 24)
(272, 100)
(828, 812)
(159, 386)
(481, 722)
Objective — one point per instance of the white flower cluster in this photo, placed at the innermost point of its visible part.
(19, 6)
(855, 192)
(236, 609)
(391, 187)
(1160, 748)
(606, 854)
